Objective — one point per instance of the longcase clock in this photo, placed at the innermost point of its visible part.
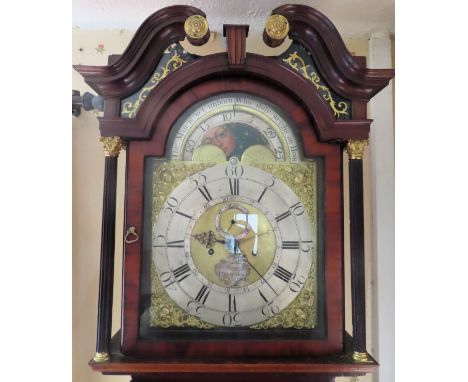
(233, 255)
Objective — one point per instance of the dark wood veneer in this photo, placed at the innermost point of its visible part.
(236, 36)
(106, 270)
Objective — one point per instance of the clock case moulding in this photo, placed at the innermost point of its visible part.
(322, 135)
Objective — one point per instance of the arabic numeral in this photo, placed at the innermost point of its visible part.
(230, 319)
(198, 180)
(296, 285)
(270, 132)
(279, 153)
(270, 309)
(171, 204)
(298, 209)
(234, 169)
(190, 145)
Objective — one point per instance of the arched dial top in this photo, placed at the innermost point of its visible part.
(233, 245)
(234, 124)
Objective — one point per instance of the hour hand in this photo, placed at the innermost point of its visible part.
(208, 239)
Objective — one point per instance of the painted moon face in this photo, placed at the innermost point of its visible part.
(239, 125)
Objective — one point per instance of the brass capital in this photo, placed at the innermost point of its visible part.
(112, 146)
(277, 27)
(196, 27)
(355, 148)
(101, 357)
(361, 357)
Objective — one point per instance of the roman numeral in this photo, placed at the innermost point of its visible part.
(204, 191)
(284, 215)
(261, 195)
(262, 296)
(232, 303)
(202, 294)
(175, 244)
(290, 245)
(234, 186)
(182, 272)
(283, 274)
(184, 215)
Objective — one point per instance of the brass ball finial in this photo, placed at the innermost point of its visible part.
(276, 30)
(197, 30)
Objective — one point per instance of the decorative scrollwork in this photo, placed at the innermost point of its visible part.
(297, 63)
(130, 108)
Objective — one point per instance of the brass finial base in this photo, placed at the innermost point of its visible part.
(276, 30)
(101, 357)
(197, 30)
(361, 357)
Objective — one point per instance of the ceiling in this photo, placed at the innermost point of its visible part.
(353, 18)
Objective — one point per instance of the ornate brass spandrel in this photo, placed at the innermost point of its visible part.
(277, 27)
(355, 148)
(301, 179)
(196, 26)
(296, 62)
(131, 104)
(112, 146)
(164, 313)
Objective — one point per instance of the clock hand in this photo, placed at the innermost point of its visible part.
(252, 237)
(255, 269)
(207, 238)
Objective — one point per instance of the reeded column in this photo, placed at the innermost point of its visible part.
(112, 148)
(355, 150)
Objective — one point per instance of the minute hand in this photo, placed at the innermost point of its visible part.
(260, 275)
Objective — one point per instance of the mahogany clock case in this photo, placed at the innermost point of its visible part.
(306, 97)
(138, 338)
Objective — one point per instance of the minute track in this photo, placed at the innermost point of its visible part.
(248, 288)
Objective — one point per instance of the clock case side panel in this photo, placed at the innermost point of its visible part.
(332, 342)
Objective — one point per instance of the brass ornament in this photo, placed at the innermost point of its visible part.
(258, 153)
(112, 145)
(130, 108)
(101, 357)
(277, 27)
(355, 148)
(298, 64)
(301, 178)
(361, 357)
(164, 313)
(196, 27)
(208, 153)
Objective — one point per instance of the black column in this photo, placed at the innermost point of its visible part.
(357, 254)
(106, 275)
